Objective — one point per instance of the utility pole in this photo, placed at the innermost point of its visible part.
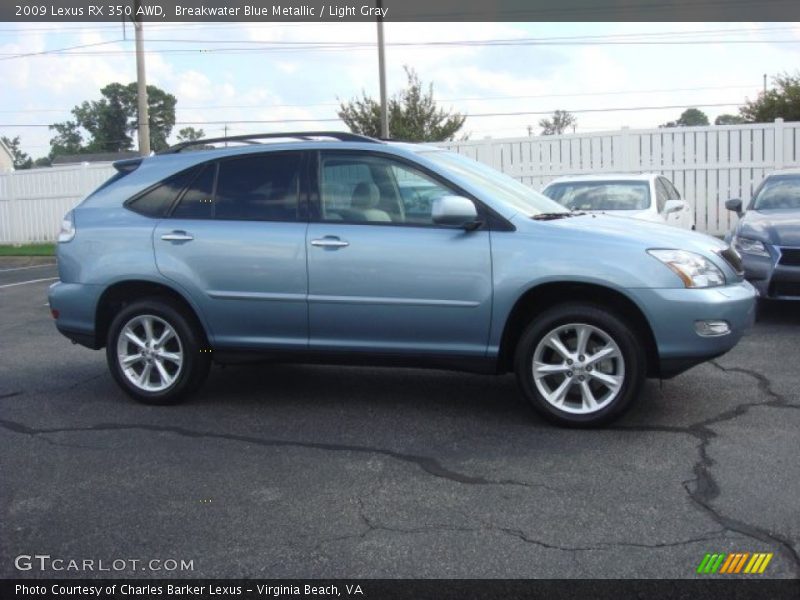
(382, 74)
(765, 83)
(141, 88)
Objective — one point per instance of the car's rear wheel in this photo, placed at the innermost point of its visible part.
(155, 352)
(579, 365)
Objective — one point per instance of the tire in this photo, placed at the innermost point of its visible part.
(558, 391)
(177, 367)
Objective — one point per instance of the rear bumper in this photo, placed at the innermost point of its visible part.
(672, 314)
(76, 305)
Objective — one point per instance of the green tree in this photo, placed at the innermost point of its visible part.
(727, 119)
(190, 134)
(691, 117)
(413, 114)
(106, 120)
(68, 139)
(21, 159)
(559, 123)
(112, 122)
(782, 101)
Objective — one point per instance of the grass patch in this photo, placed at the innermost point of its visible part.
(28, 250)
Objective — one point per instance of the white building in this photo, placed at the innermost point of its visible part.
(6, 159)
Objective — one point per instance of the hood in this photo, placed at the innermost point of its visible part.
(776, 227)
(611, 229)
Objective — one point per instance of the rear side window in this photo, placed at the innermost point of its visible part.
(264, 187)
(157, 201)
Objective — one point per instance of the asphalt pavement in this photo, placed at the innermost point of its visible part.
(321, 472)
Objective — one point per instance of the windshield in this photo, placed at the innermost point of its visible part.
(601, 195)
(781, 191)
(495, 184)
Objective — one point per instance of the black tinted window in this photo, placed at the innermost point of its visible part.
(258, 188)
(158, 201)
(197, 201)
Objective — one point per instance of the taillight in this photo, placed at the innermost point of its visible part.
(67, 231)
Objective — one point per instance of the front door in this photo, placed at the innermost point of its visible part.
(382, 276)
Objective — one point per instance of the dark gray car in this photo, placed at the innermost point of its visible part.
(768, 235)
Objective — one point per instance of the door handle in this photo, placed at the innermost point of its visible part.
(329, 242)
(177, 236)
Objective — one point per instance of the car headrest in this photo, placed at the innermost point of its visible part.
(366, 195)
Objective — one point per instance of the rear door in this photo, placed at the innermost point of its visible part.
(382, 276)
(235, 240)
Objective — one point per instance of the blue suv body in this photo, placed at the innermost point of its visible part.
(337, 248)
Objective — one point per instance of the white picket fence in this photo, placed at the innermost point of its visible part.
(708, 165)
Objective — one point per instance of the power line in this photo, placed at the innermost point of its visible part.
(361, 46)
(471, 116)
(456, 99)
(297, 46)
(9, 56)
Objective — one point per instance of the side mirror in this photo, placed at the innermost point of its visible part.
(673, 206)
(734, 204)
(454, 210)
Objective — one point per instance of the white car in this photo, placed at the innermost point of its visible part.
(645, 196)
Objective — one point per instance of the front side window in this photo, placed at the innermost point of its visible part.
(662, 195)
(673, 191)
(359, 188)
(601, 195)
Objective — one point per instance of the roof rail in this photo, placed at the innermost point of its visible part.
(342, 136)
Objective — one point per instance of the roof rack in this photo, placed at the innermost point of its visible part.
(342, 136)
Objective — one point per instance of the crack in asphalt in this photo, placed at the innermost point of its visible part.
(10, 395)
(372, 525)
(428, 464)
(706, 489)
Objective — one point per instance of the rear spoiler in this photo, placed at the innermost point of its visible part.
(128, 165)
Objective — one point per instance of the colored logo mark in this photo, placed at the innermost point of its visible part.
(735, 562)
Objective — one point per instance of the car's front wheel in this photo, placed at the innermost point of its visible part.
(155, 352)
(579, 365)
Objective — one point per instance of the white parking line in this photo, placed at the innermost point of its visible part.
(24, 268)
(8, 285)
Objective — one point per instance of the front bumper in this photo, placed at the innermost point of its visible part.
(772, 279)
(673, 312)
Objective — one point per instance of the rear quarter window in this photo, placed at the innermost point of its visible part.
(157, 201)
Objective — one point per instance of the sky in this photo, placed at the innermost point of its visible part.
(290, 74)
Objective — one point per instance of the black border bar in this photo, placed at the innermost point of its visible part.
(32, 11)
(731, 588)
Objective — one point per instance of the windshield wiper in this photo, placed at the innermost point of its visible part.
(558, 215)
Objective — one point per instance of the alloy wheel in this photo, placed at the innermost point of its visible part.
(578, 368)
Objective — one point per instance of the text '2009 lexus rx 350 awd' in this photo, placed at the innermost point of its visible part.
(333, 247)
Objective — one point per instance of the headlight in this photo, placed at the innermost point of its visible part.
(748, 246)
(694, 270)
